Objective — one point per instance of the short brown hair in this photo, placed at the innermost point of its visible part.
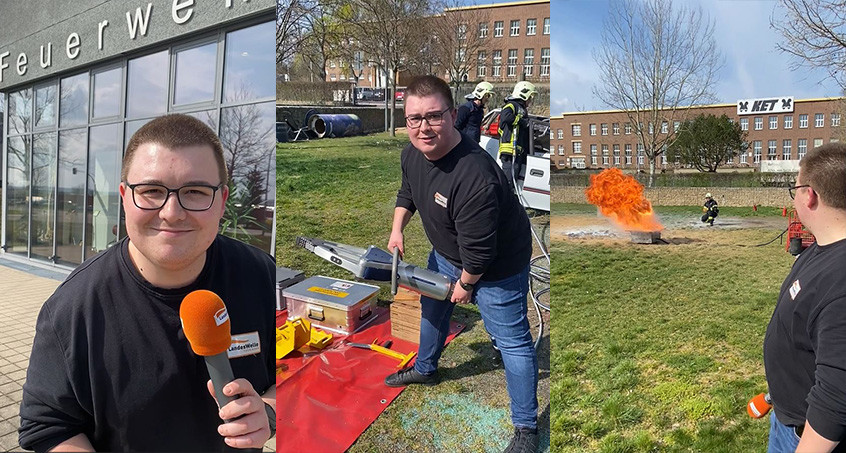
(176, 131)
(824, 169)
(430, 85)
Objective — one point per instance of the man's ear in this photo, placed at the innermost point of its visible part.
(122, 189)
(224, 193)
(813, 199)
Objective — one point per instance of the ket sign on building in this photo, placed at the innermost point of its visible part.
(765, 105)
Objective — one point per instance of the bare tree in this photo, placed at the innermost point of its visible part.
(655, 59)
(390, 32)
(322, 39)
(459, 43)
(290, 28)
(815, 33)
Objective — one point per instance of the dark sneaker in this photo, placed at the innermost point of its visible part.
(411, 376)
(525, 440)
(497, 356)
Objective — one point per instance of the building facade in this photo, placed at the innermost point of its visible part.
(778, 129)
(77, 81)
(511, 43)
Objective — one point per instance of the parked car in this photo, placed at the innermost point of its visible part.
(400, 94)
(533, 181)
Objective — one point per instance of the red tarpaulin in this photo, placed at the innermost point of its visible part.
(326, 399)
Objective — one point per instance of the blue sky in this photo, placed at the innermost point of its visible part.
(753, 66)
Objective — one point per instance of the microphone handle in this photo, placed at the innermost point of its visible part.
(220, 372)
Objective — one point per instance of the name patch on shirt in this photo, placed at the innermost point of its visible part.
(440, 199)
(794, 290)
(244, 344)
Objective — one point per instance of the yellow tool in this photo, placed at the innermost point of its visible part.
(297, 333)
(403, 358)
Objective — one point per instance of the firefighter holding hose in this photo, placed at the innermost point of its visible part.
(710, 210)
(514, 130)
(469, 119)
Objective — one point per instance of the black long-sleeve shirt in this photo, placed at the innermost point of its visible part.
(805, 343)
(110, 359)
(470, 215)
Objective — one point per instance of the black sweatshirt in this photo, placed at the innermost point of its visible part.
(805, 344)
(111, 360)
(470, 215)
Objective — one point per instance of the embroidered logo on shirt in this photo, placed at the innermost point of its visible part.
(221, 316)
(794, 290)
(244, 344)
(440, 199)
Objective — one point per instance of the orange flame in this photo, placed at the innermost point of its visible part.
(620, 198)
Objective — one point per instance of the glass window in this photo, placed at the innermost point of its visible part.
(577, 130)
(512, 63)
(665, 128)
(546, 25)
(45, 106)
(107, 93)
(71, 213)
(483, 29)
(17, 194)
(615, 128)
(544, 70)
(73, 100)
(497, 63)
(515, 27)
(835, 120)
(577, 147)
(529, 62)
(194, 69)
(677, 125)
(818, 142)
(249, 66)
(757, 148)
(604, 128)
(759, 123)
(788, 121)
(628, 128)
(785, 149)
(43, 194)
(531, 26)
(819, 119)
(771, 150)
(20, 112)
(498, 26)
(147, 86)
(744, 124)
(802, 147)
(773, 122)
(249, 144)
(592, 150)
(593, 129)
(101, 219)
(803, 121)
(481, 60)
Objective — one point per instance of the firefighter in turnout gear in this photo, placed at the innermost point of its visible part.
(710, 210)
(514, 130)
(469, 119)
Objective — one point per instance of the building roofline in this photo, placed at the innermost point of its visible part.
(562, 115)
(498, 5)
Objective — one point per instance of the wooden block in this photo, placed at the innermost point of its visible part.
(406, 315)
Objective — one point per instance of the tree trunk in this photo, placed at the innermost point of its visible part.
(651, 180)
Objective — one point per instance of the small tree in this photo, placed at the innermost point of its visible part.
(706, 142)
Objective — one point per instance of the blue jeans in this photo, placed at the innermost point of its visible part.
(504, 309)
(783, 438)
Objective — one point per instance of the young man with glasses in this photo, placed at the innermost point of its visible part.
(805, 343)
(111, 368)
(481, 239)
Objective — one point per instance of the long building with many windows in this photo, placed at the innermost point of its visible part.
(779, 128)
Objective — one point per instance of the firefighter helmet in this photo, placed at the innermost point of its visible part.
(523, 90)
(482, 89)
(708, 195)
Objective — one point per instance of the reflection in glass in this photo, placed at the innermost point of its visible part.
(246, 133)
(147, 86)
(195, 70)
(107, 93)
(73, 100)
(43, 195)
(20, 112)
(103, 199)
(72, 173)
(17, 194)
(207, 116)
(248, 71)
(45, 106)
(131, 128)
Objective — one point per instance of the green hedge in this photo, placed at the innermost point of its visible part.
(756, 179)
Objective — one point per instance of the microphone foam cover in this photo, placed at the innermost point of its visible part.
(758, 406)
(205, 322)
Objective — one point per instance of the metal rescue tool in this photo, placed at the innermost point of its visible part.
(376, 264)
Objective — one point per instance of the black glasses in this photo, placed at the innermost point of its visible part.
(792, 190)
(192, 197)
(432, 119)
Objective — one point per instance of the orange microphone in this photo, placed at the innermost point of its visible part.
(759, 405)
(205, 322)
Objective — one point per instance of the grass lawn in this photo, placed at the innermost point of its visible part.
(658, 348)
(344, 190)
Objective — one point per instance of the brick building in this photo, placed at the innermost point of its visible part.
(513, 45)
(778, 129)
